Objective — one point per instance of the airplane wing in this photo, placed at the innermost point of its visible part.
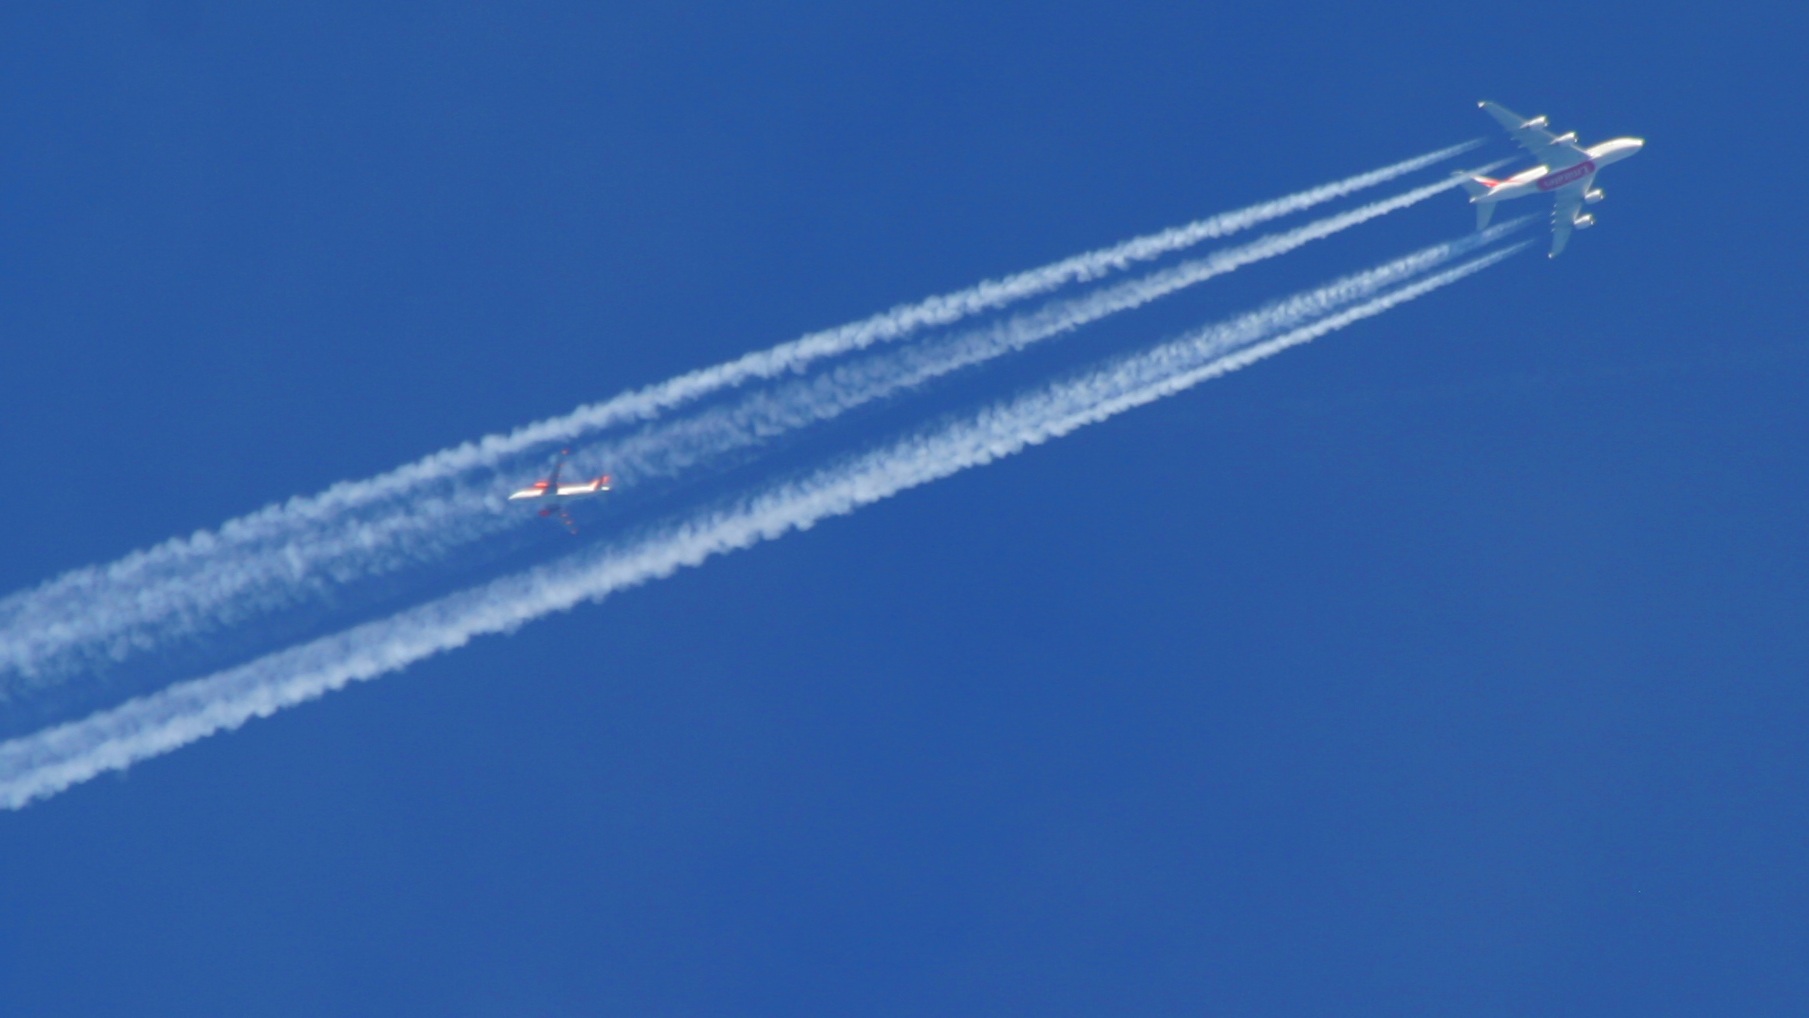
(1563, 218)
(565, 517)
(1551, 150)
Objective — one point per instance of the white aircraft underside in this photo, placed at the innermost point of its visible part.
(540, 489)
(1566, 171)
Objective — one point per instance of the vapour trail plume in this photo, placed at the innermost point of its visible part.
(907, 319)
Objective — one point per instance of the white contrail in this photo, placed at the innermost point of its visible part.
(49, 761)
(52, 632)
(901, 321)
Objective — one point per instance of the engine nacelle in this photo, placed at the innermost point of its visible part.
(1567, 138)
(1583, 222)
(1593, 195)
(1538, 121)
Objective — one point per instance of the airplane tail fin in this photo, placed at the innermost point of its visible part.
(1478, 187)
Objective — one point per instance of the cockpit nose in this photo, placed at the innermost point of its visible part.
(1635, 144)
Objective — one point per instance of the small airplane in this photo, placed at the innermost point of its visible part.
(558, 493)
(1566, 171)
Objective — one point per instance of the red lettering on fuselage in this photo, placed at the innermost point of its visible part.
(1553, 181)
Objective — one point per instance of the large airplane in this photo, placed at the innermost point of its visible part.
(557, 493)
(1566, 171)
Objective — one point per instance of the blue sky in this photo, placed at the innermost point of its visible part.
(1452, 663)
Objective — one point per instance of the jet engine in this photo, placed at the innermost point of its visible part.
(1567, 138)
(1594, 194)
(1583, 222)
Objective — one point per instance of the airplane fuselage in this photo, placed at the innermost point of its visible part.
(542, 489)
(1546, 179)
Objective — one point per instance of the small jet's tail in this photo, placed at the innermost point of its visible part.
(1477, 188)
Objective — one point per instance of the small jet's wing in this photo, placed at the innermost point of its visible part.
(1551, 150)
(564, 515)
(1564, 218)
(552, 482)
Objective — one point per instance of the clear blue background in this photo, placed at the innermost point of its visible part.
(1454, 664)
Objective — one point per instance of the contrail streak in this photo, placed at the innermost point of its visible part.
(52, 760)
(908, 319)
(128, 609)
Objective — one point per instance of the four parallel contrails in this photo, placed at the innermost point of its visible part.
(225, 578)
(52, 760)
